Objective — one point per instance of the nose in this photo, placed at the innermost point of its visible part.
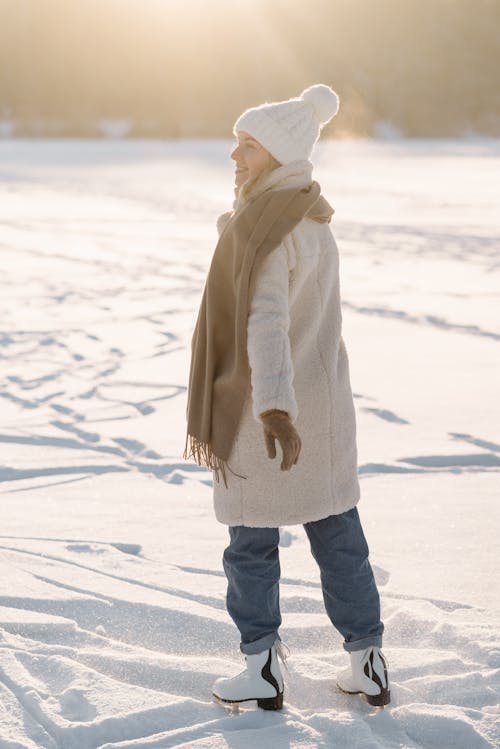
(235, 153)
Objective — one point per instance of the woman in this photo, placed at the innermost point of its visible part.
(269, 363)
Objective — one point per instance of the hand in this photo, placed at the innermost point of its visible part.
(277, 425)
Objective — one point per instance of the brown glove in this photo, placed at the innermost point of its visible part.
(277, 425)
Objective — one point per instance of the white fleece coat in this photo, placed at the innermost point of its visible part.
(298, 363)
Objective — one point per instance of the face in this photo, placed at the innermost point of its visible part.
(250, 159)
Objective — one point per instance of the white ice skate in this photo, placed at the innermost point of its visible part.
(367, 676)
(261, 681)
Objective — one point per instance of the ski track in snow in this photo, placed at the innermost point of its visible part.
(112, 603)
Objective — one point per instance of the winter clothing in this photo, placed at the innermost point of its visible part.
(298, 391)
(338, 544)
(277, 425)
(219, 373)
(289, 129)
(367, 675)
(299, 364)
(261, 681)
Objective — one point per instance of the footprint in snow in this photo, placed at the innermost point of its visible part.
(286, 537)
(386, 415)
(75, 706)
(85, 548)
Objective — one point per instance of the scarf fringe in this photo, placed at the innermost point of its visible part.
(203, 455)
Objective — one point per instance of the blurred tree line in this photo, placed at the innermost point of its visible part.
(190, 67)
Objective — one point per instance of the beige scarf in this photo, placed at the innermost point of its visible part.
(220, 371)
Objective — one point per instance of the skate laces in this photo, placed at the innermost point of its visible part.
(283, 651)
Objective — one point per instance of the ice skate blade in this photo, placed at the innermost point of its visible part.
(266, 703)
(376, 700)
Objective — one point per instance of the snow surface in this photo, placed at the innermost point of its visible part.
(112, 610)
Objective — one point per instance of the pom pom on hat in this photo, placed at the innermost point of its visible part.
(289, 129)
(324, 100)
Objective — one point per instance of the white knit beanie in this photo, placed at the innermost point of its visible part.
(289, 129)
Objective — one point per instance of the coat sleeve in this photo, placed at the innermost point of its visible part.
(268, 342)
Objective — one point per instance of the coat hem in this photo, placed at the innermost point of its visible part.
(275, 523)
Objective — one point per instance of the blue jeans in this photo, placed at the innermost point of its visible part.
(338, 544)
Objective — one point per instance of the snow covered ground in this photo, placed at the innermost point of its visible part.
(112, 614)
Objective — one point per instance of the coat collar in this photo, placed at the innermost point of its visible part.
(295, 174)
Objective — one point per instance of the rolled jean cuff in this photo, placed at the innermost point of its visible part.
(365, 642)
(251, 648)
